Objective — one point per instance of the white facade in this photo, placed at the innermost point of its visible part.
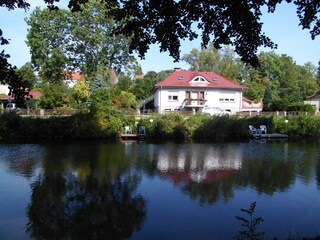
(4, 89)
(194, 99)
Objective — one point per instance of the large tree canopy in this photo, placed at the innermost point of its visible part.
(167, 22)
(225, 22)
(84, 41)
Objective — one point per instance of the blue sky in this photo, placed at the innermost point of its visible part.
(281, 26)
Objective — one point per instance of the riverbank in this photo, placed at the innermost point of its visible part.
(84, 126)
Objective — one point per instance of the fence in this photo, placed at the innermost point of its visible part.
(45, 112)
(278, 113)
(247, 113)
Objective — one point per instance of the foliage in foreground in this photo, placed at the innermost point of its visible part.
(250, 224)
(109, 122)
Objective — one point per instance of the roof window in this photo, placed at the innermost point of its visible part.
(199, 80)
(215, 79)
(181, 78)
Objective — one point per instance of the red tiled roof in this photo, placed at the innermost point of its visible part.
(138, 76)
(73, 76)
(183, 78)
(35, 95)
(4, 98)
(76, 76)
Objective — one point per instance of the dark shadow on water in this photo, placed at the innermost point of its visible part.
(64, 206)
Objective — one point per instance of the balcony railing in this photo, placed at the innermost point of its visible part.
(194, 102)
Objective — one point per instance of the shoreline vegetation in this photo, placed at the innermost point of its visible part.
(110, 125)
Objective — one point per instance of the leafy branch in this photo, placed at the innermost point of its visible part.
(250, 224)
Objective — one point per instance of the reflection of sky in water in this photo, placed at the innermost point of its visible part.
(20, 158)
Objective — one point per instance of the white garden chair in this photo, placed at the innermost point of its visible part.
(252, 130)
(263, 129)
(127, 130)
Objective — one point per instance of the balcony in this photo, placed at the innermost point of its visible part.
(194, 102)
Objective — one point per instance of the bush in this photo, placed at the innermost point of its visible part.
(9, 122)
(301, 108)
(192, 124)
(222, 128)
(300, 126)
(110, 124)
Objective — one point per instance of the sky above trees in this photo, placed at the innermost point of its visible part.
(281, 26)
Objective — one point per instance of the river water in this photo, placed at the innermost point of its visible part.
(132, 190)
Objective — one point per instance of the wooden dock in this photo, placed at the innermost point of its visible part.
(271, 135)
(132, 136)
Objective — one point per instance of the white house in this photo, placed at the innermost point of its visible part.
(4, 89)
(314, 100)
(191, 91)
(72, 79)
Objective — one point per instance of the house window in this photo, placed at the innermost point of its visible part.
(227, 97)
(173, 96)
(199, 79)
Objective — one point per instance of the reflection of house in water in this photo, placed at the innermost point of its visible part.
(204, 165)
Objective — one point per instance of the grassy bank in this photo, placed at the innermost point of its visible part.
(110, 125)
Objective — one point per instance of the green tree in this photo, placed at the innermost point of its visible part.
(48, 39)
(251, 78)
(100, 82)
(205, 60)
(125, 83)
(80, 93)
(55, 96)
(123, 99)
(210, 59)
(60, 40)
(27, 74)
(267, 98)
(142, 88)
(94, 41)
(235, 23)
(17, 86)
(307, 76)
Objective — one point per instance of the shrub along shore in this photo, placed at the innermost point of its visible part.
(110, 126)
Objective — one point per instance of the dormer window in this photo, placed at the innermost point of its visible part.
(199, 80)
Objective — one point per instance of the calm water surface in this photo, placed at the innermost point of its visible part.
(158, 191)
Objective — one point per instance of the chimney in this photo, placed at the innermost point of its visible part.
(177, 69)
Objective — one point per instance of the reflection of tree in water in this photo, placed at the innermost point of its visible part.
(264, 177)
(269, 177)
(215, 172)
(64, 207)
(318, 172)
(209, 193)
